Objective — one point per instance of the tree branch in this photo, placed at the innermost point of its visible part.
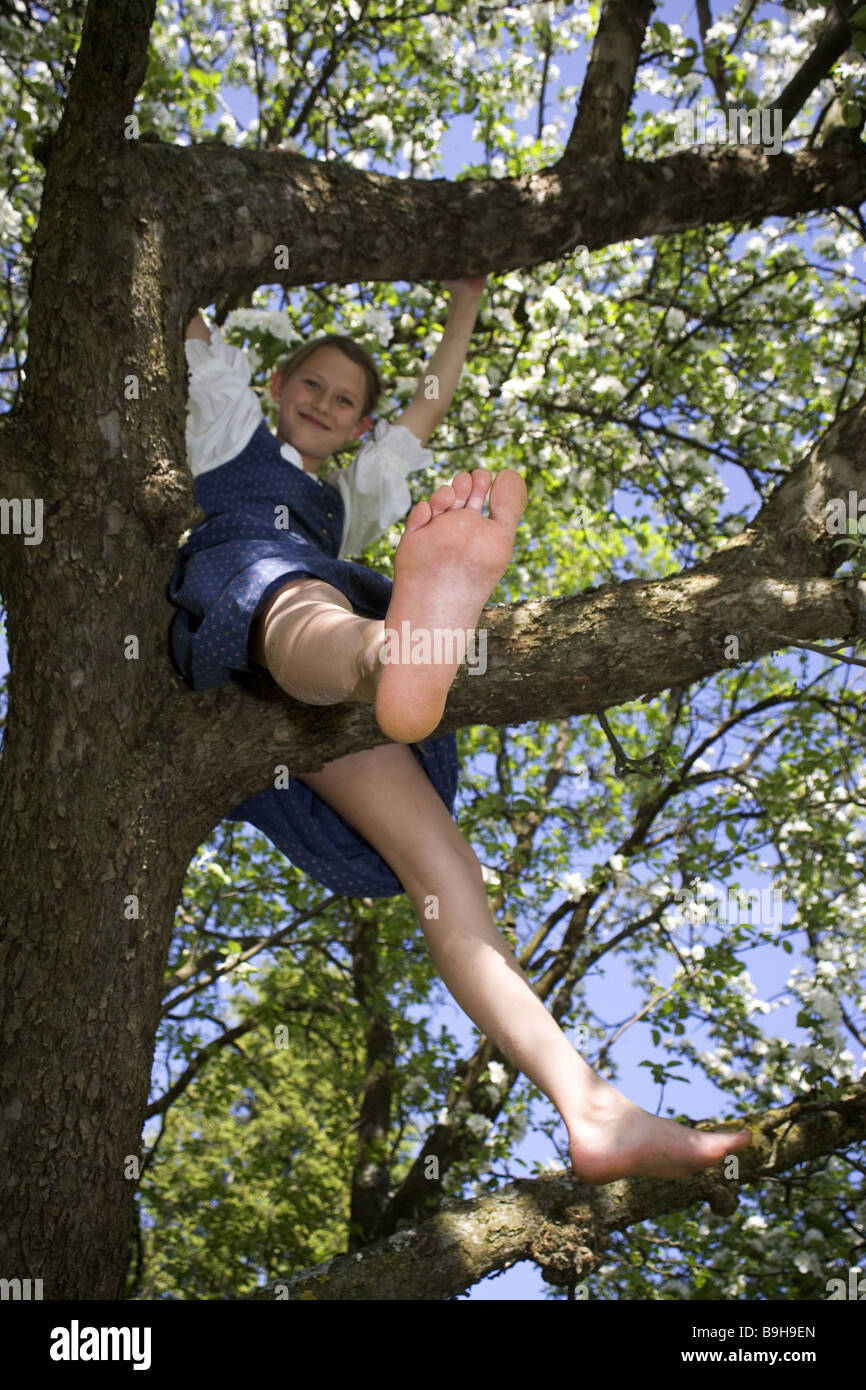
(110, 67)
(833, 42)
(223, 212)
(190, 1072)
(717, 72)
(562, 1224)
(371, 1174)
(607, 88)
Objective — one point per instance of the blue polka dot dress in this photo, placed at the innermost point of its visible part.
(265, 523)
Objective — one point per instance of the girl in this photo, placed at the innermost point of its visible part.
(264, 580)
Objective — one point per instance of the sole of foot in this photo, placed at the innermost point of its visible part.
(631, 1143)
(449, 560)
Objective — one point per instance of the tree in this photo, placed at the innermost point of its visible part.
(114, 774)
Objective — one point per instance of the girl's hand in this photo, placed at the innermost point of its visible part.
(466, 285)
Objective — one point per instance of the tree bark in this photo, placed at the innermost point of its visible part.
(113, 772)
(563, 1225)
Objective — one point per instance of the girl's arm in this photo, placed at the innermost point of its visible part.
(197, 328)
(434, 392)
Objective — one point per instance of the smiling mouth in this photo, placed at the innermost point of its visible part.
(310, 421)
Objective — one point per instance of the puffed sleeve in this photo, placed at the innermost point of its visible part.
(374, 489)
(223, 411)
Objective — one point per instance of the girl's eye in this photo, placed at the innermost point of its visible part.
(345, 400)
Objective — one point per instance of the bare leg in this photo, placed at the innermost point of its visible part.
(388, 798)
(313, 643)
(446, 566)
(323, 653)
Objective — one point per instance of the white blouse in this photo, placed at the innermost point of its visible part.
(224, 413)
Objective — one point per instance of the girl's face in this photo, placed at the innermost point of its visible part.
(320, 405)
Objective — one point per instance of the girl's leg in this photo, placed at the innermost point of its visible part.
(314, 644)
(449, 561)
(323, 653)
(387, 797)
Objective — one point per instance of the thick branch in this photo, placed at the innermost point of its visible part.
(607, 89)
(562, 1224)
(109, 69)
(545, 659)
(222, 213)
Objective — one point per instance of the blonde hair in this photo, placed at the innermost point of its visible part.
(350, 349)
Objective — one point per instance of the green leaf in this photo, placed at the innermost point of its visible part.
(851, 112)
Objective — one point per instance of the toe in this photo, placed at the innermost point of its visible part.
(508, 497)
(462, 485)
(442, 499)
(419, 516)
(481, 480)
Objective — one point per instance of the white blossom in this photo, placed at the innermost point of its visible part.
(610, 384)
(479, 1125)
(379, 321)
(552, 1165)
(574, 885)
(380, 125)
(554, 295)
(10, 220)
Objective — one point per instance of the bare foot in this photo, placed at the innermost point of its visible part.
(616, 1139)
(449, 561)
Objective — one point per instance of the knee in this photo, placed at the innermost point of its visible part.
(267, 629)
(470, 859)
(433, 870)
